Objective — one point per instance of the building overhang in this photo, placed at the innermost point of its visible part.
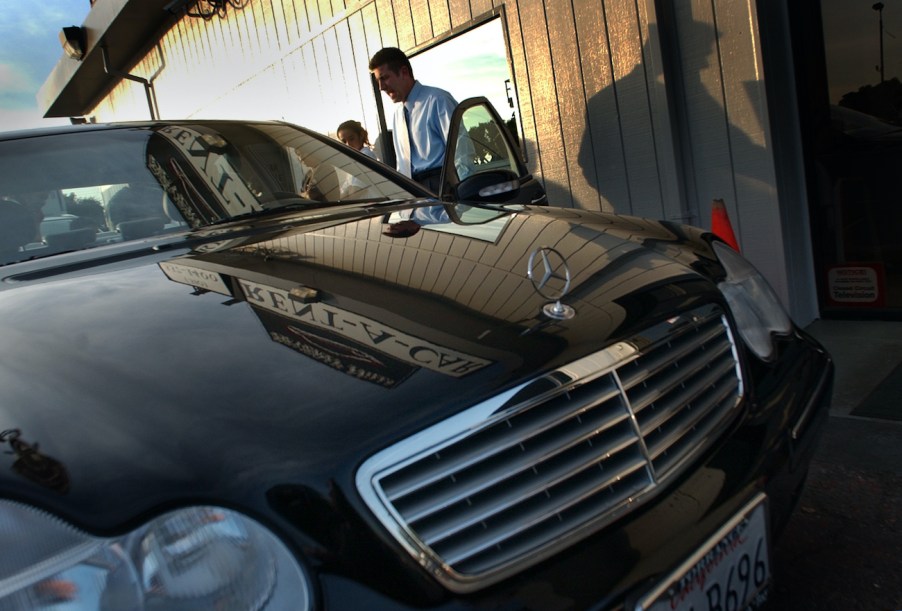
(128, 29)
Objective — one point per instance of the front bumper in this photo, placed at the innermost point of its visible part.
(769, 452)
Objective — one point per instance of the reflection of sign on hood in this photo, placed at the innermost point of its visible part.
(365, 332)
(335, 351)
(195, 276)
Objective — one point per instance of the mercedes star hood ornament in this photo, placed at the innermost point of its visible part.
(550, 277)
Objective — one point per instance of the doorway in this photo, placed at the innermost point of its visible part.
(851, 113)
(471, 63)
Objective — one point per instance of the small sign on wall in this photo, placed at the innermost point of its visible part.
(856, 285)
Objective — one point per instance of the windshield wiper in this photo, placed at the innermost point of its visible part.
(300, 203)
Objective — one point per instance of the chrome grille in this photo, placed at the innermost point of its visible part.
(510, 481)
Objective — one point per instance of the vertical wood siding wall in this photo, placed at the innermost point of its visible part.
(725, 143)
(624, 107)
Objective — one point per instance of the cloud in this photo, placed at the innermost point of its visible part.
(39, 21)
(473, 64)
(29, 49)
(17, 88)
(11, 119)
(14, 80)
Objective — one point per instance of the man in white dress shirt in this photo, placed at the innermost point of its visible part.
(422, 117)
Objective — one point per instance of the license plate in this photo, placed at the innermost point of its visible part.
(729, 573)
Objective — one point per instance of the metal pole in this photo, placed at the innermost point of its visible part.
(148, 86)
(878, 6)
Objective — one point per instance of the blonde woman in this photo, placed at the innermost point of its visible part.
(353, 134)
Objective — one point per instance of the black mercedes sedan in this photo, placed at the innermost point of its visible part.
(249, 368)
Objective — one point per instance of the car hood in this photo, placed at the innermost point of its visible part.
(214, 371)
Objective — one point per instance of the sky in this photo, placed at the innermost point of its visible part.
(474, 64)
(852, 40)
(29, 49)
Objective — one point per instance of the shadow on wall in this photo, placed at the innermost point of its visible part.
(621, 152)
(560, 195)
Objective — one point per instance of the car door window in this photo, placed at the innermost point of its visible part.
(481, 145)
(482, 162)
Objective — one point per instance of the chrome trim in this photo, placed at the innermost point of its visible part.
(553, 266)
(564, 454)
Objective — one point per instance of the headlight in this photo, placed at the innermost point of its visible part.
(190, 559)
(754, 304)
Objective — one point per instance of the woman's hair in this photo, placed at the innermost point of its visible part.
(357, 128)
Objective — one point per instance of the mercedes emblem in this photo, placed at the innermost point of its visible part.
(550, 277)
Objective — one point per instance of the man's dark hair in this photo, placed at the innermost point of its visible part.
(393, 58)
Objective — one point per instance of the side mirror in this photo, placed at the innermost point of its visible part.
(495, 186)
(483, 162)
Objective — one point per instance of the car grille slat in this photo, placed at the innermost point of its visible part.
(651, 414)
(541, 457)
(543, 478)
(496, 440)
(530, 513)
(514, 549)
(663, 382)
(664, 449)
(502, 485)
(671, 357)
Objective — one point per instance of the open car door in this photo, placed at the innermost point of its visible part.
(482, 161)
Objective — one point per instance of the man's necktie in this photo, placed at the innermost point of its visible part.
(405, 144)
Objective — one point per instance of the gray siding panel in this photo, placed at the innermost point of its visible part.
(385, 13)
(440, 14)
(543, 89)
(600, 148)
(459, 11)
(571, 101)
(301, 20)
(281, 22)
(422, 21)
(404, 24)
(756, 214)
(480, 7)
(631, 90)
(517, 50)
(673, 199)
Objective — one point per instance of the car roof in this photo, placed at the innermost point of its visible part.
(94, 127)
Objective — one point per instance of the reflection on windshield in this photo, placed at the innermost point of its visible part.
(69, 191)
(235, 170)
(860, 125)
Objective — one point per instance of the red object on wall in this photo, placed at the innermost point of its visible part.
(720, 224)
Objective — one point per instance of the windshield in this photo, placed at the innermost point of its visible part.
(76, 190)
